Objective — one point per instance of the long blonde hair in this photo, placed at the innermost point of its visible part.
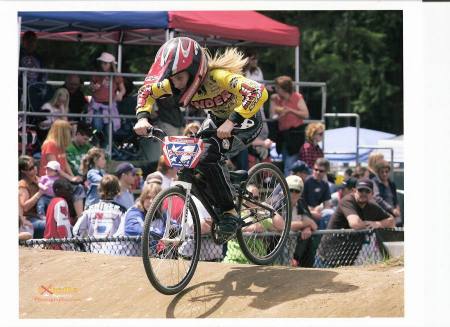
(88, 160)
(152, 190)
(60, 133)
(232, 60)
(54, 99)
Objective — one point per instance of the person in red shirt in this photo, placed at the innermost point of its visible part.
(54, 148)
(59, 219)
(289, 108)
(100, 103)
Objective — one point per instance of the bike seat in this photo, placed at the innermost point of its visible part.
(238, 176)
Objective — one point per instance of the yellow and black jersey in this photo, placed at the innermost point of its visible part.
(224, 94)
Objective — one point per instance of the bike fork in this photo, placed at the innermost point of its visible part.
(181, 237)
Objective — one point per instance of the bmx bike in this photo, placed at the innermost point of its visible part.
(171, 238)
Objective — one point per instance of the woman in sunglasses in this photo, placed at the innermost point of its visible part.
(29, 194)
(310, 150)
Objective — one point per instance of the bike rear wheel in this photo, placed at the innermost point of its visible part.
(170, 258)
(263, 241)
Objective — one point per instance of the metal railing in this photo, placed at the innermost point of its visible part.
(24, 98)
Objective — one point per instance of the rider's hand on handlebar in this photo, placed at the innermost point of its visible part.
(224, 131)
(142, 126)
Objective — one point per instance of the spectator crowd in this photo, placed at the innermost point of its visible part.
(68, 186)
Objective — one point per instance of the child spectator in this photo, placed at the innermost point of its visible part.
(310, 150)
(59, 103)
(99, 104)
(92, 165)
(103, 218)
(135, 216)
(46, 185)
(58, 218)
(126, 173)
(79, 147)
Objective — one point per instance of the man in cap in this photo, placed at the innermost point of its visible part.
(358, 210)
(126, 173)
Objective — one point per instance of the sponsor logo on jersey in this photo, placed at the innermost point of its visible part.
(251, 93)
(216, 101)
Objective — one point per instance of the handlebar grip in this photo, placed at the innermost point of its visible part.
(211, 132)
(153, 130)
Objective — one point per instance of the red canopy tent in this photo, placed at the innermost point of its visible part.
(212, 28)
(240, 26)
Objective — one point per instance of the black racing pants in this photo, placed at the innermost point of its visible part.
(211, 164)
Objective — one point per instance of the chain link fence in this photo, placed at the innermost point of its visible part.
(324, 249)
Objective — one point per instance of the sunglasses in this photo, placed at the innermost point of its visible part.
(294, 191)
(320, 134)
(31, 168)
(319, 170)
(364, 190)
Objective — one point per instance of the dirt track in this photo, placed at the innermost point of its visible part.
(56, 284)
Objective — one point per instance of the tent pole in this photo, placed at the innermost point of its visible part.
(119, 58)
(119, 53)
(297, 67)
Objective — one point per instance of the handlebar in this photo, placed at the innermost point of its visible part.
(158, 133)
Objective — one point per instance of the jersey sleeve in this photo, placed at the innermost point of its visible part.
(251, 94)
(148, 94)
(82, 225)
(61, 216)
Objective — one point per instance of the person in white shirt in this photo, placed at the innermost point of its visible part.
(103, 218)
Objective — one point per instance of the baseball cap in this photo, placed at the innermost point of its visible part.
(107, 57)
(349, 183)
(300, 167)
(53, 165)
(364, 183)
(295, 183)
(124, 168)
(154, 178)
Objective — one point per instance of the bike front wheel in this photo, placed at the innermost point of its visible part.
(171, 248)
(265, 236)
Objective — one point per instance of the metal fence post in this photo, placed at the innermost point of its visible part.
(110, 128)
(24, 107)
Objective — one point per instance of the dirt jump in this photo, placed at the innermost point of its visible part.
(58, 284)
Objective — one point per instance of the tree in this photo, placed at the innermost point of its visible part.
(359, 54)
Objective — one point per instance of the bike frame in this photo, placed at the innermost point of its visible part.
(189, 182)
